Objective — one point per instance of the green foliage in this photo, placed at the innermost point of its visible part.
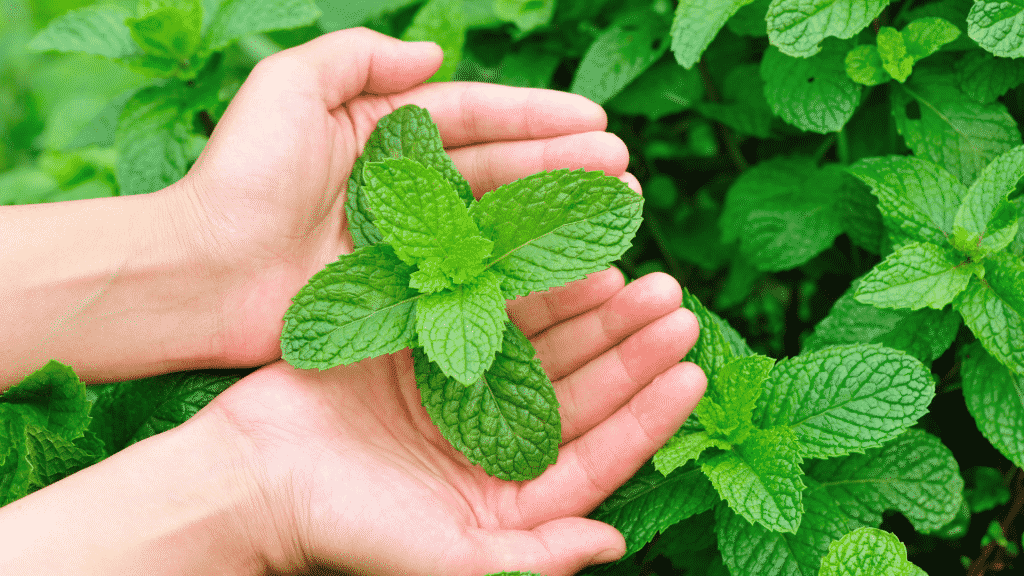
(865, 552)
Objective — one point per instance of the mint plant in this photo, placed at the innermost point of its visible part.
(432, 270)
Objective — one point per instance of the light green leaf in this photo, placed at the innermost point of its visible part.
(864, 66)
(924, 36)
(914, 474)
(712, 350)
(443, 22)
(941, 123)
(993, 309)
(696, 24)
(151, 141)
(665, 88)
(684, 446)
(527, 15)
(797, 27)
(727, 408)
(987, 194)
(507, 421)
(618, 56)
(985, 77)
(998, 26)
(52, 457)
(360, 306)
(760, 479)
(341, 14)
(915, 276)
(868, 552)
(649, 502)
(169, 31)
(408, 132)
(893, 52)
(460, 330)
(750, 20)
(995, 398)
(237, 18)
(52, 398)
(15, 469)
(568, 224)
(749, 548)
(98, 29)
(813, 94)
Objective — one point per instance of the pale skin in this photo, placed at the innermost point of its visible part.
(293, 471)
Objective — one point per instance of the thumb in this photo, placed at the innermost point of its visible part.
(556, 548)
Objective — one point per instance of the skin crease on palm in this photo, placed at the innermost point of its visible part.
(299, 471)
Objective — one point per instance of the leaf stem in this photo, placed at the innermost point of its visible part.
(824, 147)
(843, 147)
(981, 566)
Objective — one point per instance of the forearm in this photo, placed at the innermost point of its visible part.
(109, 286)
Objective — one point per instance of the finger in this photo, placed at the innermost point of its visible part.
(487, 166)
(592, 466)
(559, 547)
(537, 311)
(632, 182)
(569, 345)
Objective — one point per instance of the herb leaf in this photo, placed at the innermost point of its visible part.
(995, 398)
(996, 26)
(993, 309)
(797, 27)
(915, 276)
(237, 18)
(814, 93)
(696, 24)
(96, 29)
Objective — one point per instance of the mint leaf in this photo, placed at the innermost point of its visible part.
(408, 132)
(813, 94)
(169, 31)
(995, 398)
(649, 502)
(684, 446)
(568, 223)
(985, 488)
(845, 399)
(893, 52)
(760, 479)
(941, 123)
(914, 474)
(918, 199)
(152, 140)
(993, 309)
(998, 26)
(358, 307)
(985, 77)
(619, 55)
(422, 217)
(864, 66)
(507, 421)
(53, 458)
(712, 350)
(988, 193)
(924, 36)
(728, 407)
(96, 29)
(460, 330)
(52, 398)
(782, 212)
(527, 15)
(750, 20)
(237, 18)
(867, 552)
(915, 276)
(743, 107)
(665, 88)
(797, 27)
(749, 548)
(15, 469)
(696, 24)
(862, 220)
(443, 22)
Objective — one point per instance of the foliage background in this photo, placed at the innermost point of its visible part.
(701, 140)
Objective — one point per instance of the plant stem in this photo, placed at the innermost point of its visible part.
(980, 566)
(825, 146)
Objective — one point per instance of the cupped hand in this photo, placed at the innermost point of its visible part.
(266, 197)
(354, 477)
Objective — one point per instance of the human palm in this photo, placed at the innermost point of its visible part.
(361, 481)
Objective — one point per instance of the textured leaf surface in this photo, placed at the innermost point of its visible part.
(507, 421)
(96, 29)
(813, 94)
(696, 24)
(985, 77)
(408, 132)
(915, 276)
(619, 55)
(53, 458)
(845, 399)
(15, 469)
(443, 22)
(760, 479)
(995, 398)
(749, 548)
(924, 36)
(727, 408)
(358, 307)
(998, 26)
(568, 223)
(686, 445)
(797, 27)
(868, 552)
(893, 52)
(988, 192)
(914, 474)
(650, 502)
(237, 18)
(151, 140)
(712, 350)
(52, 398)
(864, 66)
(993, 309)
(941, 123)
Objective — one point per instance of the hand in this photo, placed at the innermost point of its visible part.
(267, 194)
(356, 478)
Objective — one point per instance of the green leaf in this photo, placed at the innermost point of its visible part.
(568, 224)
(749, 548)
(649, 502)
(915, 276)
(684, 446)
(750, 20)
(914, 474)
(727, 408)
(152, 140)
(893, 52)
(618, 56)
(813, 94)
(797, 27)
(845, 399)
(868, 552)
(760, 479)
(864, 66)
(360, 306)
(995, 398)
(172, 31)
(15, 469)
(941, 123)
(237, 18)
(507, 421)
(862, 220)
(443, 22)
(460, 330)
(713, 348)
(993, 309)
(782, 211)
(998, 26)
(985, 488)
(918, 199)
(52, 458)
(924, 36)
(743, 107)
(696, 24)
(975, 217)
(527, 15)
(52, 398)
(985, 77)
(665, 88)
(421, 215)
(98, 29)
